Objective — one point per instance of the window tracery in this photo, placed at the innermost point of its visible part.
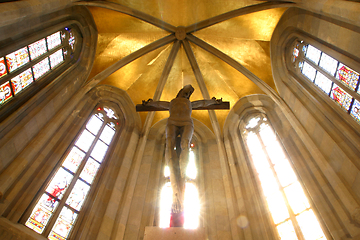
(24, 67)
(286, 200)
(334, 78)
(61, 201)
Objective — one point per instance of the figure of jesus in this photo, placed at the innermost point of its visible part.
(179, 123)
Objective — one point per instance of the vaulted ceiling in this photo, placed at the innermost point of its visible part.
(184, 36)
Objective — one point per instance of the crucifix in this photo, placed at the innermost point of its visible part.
(179, 124)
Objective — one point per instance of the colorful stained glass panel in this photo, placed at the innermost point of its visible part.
(37, 49)
(341, 97)
(41, 68)
(3, 71)
(74, 159)
(38, 219)
(347, 75)
(53, 40)
(21, 81)
(313, 54)
(355, 110)
(59, 183)
(323, 82)
(308, 71)
(17, 59)
(56, 58)
(5, 92)
(47, 202)
(60, 230)
(99, 151)
(85, 140)
(94, 124)
(78, 194)
(328, 63)
(107, 134)
(90, 170)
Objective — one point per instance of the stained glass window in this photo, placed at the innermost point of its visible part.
(17, 59)
(5, 92)
(21, 81)
(191, 197)
(56, 58)
(286, 200)
(37, 48)
(66, 192)
(341, 97)
(3, 71)
(309, 71)
(337, 80)
(54, 40)
(313, 54)
(323, 82)
(347, 76)
(41, 68)
(39, 58)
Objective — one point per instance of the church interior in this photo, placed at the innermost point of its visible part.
(77, 161)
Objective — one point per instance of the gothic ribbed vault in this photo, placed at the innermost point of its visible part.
(151, 49)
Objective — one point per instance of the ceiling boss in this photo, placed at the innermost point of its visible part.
(180, 124)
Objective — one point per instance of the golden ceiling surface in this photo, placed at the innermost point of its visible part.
(243, 37)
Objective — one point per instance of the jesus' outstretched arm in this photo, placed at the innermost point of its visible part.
(157, 104)
(206, 103)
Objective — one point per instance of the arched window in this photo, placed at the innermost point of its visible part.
(28, 65)
(334, 78)
(287, 203)
(62, 199)
(191, 198)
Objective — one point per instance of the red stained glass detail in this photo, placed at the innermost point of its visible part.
(21, 81)
(17, 59)
(341, 97)
(348, 76)
(38, 220)
(2, 67)
(59, 183)
(5, 92)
